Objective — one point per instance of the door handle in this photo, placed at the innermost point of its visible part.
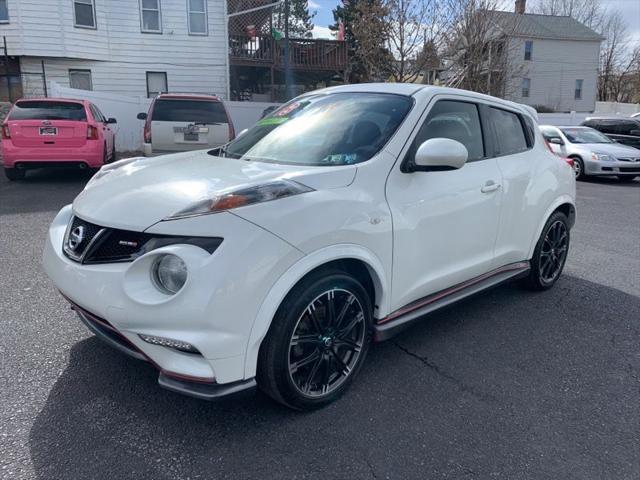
(490, 186)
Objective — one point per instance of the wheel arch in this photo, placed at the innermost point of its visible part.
(354, 259)
(564, 204)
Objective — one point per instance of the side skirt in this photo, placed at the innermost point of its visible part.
(397, 321)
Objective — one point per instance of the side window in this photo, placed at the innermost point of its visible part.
(455, 120)
(97, 114)
(510, 136)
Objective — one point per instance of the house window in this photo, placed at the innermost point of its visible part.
(150, 16)
(84, 13)
(526, 87)
(528, 49)
(197, 10)
(578, 91)
(156, 83)
(80, 79)
(4, 12)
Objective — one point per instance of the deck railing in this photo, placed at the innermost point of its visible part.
(304, 54)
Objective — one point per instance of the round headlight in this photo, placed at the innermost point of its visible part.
(169, 273)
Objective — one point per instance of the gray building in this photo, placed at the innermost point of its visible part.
(552, 61)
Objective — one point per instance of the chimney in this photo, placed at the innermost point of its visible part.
(520, 6)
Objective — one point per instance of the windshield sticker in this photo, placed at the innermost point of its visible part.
(341, 159)
(272, 121)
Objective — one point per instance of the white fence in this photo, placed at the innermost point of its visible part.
(245, 114)
(125, 109)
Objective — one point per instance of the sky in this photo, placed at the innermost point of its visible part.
(630, 10)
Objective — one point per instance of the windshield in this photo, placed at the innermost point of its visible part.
(195, 111)
(48, 110)
(333, 129)
(585, 135)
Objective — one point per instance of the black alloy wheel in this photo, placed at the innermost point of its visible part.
(550, 253)
(317, 341)
(326, 343)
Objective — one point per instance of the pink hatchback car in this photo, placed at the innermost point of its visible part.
(51, 132)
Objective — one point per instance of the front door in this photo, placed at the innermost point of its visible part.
(444, 222)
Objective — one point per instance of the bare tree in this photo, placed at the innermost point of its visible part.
(588, 12)
(617, 59)
(478, 48)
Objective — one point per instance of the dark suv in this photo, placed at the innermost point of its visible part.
(622, 130)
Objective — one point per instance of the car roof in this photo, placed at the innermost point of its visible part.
(53, 99)
(411, 89)
(189, 96)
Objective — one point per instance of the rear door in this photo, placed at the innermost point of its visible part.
(188, 124)
(48, 124)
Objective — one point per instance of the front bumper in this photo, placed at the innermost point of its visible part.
(617, 168)
(214, 311)
(177, 383)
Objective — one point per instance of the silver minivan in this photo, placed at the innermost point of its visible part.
(181, 122)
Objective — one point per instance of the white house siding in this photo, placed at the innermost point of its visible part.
(117, 52)
(554, 68)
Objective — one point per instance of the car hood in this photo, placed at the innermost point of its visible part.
(615, 149)
(138, 194)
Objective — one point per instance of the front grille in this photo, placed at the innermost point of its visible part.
(629, 159)
(110, 245)
(630, 169)
(118, 246)
(80, 235)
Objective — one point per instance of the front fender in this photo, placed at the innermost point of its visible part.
(294, 274)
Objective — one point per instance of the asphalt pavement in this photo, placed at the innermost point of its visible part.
(507, 385)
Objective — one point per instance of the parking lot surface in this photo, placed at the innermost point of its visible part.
(510, 384)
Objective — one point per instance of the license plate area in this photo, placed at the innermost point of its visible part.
(48, 131)
(191, 137)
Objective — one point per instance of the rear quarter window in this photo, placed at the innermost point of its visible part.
(193, 111)
(48, 110)
(510, 134)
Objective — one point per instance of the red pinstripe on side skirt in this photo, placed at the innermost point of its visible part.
(449, 291)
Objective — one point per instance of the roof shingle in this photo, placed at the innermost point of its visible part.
(543, 26)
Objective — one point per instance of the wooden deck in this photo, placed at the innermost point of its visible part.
(304, 54)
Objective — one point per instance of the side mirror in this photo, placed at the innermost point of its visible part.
(556, 141)
(112, 120)
(141, 116)
(440, 154)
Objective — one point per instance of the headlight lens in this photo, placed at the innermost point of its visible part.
(242, 197)
(169, 273)
(602, 157)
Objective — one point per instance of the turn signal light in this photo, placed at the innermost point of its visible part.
(169, 343)
(92, 133)
(6, 133)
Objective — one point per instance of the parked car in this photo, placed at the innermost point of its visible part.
(52, 132)
(181, 122)
(593, 153)
(272, 259)
(620, 129)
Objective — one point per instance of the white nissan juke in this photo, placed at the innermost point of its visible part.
(339, 219)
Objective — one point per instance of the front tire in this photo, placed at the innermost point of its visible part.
(578, 168)
(550, 253)
(317, 342)
(14, 174)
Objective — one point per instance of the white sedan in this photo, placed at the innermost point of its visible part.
(341, 218)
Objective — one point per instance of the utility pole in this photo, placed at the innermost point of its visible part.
(6, 69)
(287, 73)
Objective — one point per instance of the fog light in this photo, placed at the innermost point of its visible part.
(168, 342)
(169, 273)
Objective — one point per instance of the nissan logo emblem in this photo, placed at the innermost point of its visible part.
(75, 238)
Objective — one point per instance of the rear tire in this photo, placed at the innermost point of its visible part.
(550, 253)
(626, 178)
(14, 174)
(317, 342)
